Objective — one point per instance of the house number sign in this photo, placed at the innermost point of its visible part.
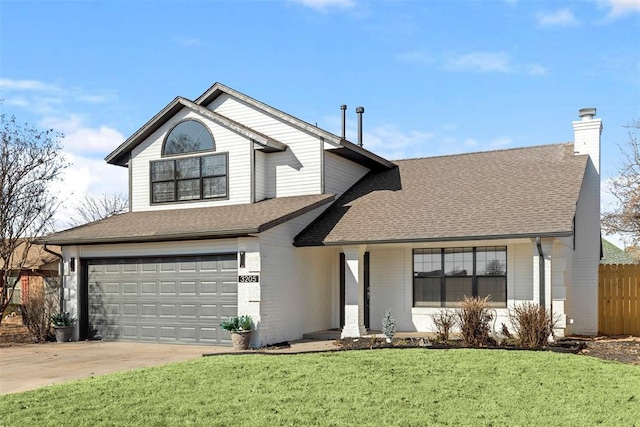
(248, 278)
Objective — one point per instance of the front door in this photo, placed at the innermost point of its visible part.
(366, 289)
(367, 294)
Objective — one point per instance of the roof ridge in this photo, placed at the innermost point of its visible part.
(558, 144)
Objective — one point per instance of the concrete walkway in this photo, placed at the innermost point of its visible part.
(29, 366)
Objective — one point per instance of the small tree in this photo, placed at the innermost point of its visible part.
(625, 217)
(388, 326)
(30, 161)
(96, 207)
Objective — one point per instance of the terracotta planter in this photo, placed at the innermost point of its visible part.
(241, 339)
(63, 333)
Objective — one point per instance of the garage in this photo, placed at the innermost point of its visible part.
(160, 299)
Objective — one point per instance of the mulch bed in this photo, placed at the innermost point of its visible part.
(620, 349)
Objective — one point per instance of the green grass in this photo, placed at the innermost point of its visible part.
(372, 387)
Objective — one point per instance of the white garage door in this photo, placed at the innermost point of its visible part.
(173, 300)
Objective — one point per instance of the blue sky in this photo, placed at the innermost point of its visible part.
(435, 77)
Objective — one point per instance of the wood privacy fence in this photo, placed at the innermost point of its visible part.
(619, 299)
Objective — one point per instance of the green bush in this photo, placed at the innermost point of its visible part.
(474, 318)
(238, 324)
(63, 319)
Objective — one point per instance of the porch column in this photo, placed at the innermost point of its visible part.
(353, 292)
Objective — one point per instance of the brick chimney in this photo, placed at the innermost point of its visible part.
(587, 133)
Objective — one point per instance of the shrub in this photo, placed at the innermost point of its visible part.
(388, 326)
(35, 314)
(533, 324)
(444, 321)
(474, 318)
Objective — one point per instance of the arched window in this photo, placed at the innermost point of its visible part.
(186, 137)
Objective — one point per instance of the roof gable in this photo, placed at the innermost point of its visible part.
(120, 156)
(508, 193)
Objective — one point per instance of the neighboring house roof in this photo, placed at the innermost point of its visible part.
(611, 254)
(523, 192)
(36, 258)
(188, 224)
(120, 156)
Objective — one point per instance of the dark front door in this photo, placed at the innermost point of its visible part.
(367, 294)
(342, 298)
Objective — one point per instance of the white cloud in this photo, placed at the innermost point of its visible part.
(323, 5)
(558, 18)
(80, 138)
(84, 176)
(536, 70)
(618, 8)
(479, 62)
(392, 143)
(27, 85)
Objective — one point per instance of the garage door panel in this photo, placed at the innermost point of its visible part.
(133, 300)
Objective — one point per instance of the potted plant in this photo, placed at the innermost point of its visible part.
(63, 326)
(241, 328)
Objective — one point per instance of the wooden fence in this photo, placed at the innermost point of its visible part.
(619, 299)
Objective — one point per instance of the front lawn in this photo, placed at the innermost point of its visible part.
(370, 387)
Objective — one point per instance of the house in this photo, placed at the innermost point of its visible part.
(239, 208)
(37, 269)
(611, 254)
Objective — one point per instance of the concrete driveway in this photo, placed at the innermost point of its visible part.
(30, 366)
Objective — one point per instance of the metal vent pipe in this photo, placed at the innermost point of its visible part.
(343, 107)
(359, 111)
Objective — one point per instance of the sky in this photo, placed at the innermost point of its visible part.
(435, 77)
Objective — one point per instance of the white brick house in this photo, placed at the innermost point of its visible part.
(239, 208)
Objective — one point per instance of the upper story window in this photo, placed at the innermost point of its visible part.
(443, 277)
(186, 137)
(183, 178)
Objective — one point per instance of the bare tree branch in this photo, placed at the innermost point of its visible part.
(30, 161)
(94, 208)
(625, 218)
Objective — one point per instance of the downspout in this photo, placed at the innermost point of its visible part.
(60, 274)
(541, 272)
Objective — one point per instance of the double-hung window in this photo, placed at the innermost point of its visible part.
(443, 277)
(192, 178)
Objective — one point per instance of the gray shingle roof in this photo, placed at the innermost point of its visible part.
(193, 223)
(614, 255)
(516, 193)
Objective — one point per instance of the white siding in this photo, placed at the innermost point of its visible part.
(293, 172)
(239, 170)
(390, 287)
(340, 174)
(582, 294)
(297, 284)
(260, 176)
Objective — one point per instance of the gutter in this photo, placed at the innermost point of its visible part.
(60, 274)
(432, 239)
